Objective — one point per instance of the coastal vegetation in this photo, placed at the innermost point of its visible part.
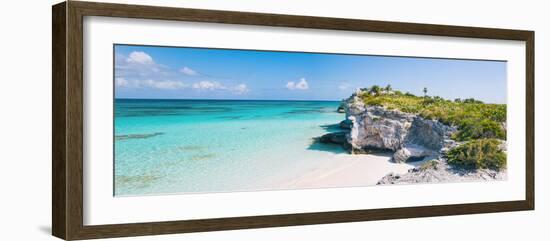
(482, 153)
(480, 127)
(473, 118)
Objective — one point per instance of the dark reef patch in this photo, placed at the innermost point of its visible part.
(190, 148)
(202, 157)
(235, 117)
(132, 111)
(135, 181)
(137, 136)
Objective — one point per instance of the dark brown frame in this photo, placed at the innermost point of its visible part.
(67, 122)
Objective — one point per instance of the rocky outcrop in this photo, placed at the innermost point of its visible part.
(412, 153)
(437, 171)
(409, 136)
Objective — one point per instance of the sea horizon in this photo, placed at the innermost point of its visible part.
(200, 99)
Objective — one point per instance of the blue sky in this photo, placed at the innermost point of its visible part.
(195, 73)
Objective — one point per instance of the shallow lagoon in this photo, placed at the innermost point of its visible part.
(190, 146)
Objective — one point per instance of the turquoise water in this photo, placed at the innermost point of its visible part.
(190, 146)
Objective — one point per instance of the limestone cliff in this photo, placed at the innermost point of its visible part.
(408, 136)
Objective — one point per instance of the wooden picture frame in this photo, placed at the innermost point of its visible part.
(67, 136)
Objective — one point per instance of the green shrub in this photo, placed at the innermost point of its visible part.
(472, 100)
(371, 100)
(428, 101)
(431, 164)
(482, 153)
(471, 129)
(375, 89)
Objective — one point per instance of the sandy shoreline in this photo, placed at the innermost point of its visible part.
(345, 170)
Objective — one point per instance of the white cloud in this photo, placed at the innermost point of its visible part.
(343, 86)
(215, 85)
(139, 65)
(208, 85)
(300, 85)
(150, 83)
(240, 89)
(122, 82)
(120, 60)
(139, 70)
(140, 57)
(188, 71)
(164, 84)
(179, 85)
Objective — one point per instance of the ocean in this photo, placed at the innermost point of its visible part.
(205, 146)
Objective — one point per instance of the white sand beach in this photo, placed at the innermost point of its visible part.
(345, 170)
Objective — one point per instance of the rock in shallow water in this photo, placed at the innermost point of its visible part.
(346, 124)
(334, 138)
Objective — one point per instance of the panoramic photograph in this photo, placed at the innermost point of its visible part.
(202, 120)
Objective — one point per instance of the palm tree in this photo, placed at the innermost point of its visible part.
(425, 90)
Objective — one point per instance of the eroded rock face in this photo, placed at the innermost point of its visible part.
(412, 153)
(428, 133)
(410, 137)
(426, 139)
(376, 128)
